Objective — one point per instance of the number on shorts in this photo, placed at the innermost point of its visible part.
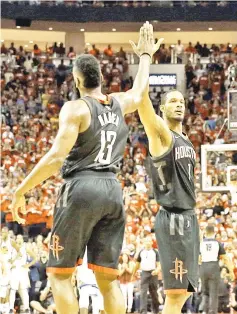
(181, 224)
(165, 185)
(107, 141)
(208, 246)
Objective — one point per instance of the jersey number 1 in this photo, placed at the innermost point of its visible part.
(107, 141)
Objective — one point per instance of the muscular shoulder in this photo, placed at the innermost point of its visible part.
(76, 108)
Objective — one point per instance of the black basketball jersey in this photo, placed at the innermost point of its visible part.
(173, 175)
(101, 146)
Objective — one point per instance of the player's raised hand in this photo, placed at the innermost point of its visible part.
(18, 204)
(146, 41)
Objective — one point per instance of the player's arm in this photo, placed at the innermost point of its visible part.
(14, 245)
(44, 293)
(131, 99)
(33, 256)
(137, 265)
(136, 268)
(69, 126)
(130, 267)
(155, 127)
(121, 270)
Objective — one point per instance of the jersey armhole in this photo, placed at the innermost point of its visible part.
(166, 153)
(91, 112)
(88, 104)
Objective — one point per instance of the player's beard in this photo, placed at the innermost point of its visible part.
(76, 93)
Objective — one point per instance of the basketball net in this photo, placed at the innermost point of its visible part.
(233, 191)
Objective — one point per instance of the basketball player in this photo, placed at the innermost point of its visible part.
(7, 247)
(211, 252)
(5, 269)
(172, 170)
(89, 210)
(19, 279)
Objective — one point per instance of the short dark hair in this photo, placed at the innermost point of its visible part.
(210, 229)
(89, 67)
(164, 96)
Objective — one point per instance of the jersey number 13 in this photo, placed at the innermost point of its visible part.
(107, 141)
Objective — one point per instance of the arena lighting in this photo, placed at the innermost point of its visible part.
(2, 40)
(82, 29)
(26, 46)
(18, 27)
(210, 28)
(87, 44)
(155, 21)
(50, 28)
(178, 29)
(31, 42)
(113, 29)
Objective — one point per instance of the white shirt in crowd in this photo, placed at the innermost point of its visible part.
(179, 49)
(148, 259)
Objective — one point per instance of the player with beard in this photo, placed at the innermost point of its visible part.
(89, 210)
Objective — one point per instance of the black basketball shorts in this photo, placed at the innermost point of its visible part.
(177, 236)
(89, 212)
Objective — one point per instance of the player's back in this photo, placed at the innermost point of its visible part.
(101, 146)
(173, 175)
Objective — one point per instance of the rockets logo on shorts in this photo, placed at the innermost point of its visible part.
(55, 247)
(178, 270)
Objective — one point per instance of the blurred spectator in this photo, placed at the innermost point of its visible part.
(205, 52)
(61, 50)
(121, 54)
(71, 53)
(148, 262)
(108, 51)
(126, 267)
(4, 50)
(179, 50)
(198, 47)
(36, 50)
(190, 48)
(94, 51)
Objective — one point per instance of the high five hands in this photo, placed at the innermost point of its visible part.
(146, 43)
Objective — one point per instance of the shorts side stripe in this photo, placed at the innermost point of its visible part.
(103, 269)
(57, 270)
(172, 224)
(175, 291)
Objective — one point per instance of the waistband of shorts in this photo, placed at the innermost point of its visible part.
(177, 210)
(92, 173)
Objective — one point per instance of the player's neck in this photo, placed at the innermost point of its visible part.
(175, 126)
(95, 92)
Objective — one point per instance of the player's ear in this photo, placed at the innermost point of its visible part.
(162, 108)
